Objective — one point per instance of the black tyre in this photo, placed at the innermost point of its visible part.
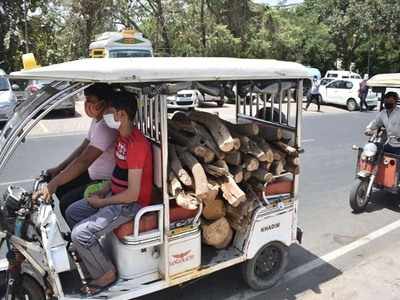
(351, 105)
(220, 103)
(371, 107)
(358, 199)
(30, 290)
(267, 267)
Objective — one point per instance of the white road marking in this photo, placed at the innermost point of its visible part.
(316, 263)
(308, 140)
(44, 128)
(15, 182)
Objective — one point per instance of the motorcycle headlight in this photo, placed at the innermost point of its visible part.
(369, 150)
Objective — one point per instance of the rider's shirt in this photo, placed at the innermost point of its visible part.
(390, 121)
(133, 152)
(103, 138)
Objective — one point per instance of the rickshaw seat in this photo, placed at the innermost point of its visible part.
(150, 221)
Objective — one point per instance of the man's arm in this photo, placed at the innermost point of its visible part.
(375, 124)
(78, 166)
(72, 156)
(131, 194)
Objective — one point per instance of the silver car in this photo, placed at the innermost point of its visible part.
(8, 101)
(66, 106)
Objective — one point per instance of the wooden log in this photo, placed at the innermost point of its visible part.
(278, 167)
(295, 161)
(246, 175)
(240, 217)
(256, 184)
(234, 158)
(222, 164)
(246, 129)
(250, 162)
(237, 173)
(231, 192)
(183, 199)
(286, 148)
(294, 169)
(207, 139)
(265, 166)
(271, 134)
(265, 147)
(215, 171)
(262, 175)
(213, 209)
(218, 234)
(236, 143)
(278, 154)
(176, 166)
(191, 142)
(218, 130)
(199, 176)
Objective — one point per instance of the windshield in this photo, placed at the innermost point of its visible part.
(31, 111)
(130, 53)
(4, 84)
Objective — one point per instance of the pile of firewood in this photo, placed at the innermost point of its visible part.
(224, 166)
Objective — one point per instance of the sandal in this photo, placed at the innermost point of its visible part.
(92, 289)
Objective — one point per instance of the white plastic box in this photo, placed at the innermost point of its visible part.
(134, 261)
(184, 253)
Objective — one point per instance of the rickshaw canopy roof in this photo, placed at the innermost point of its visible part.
(385, 80)
(162, 69)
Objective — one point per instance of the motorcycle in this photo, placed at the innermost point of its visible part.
(29, 227)
(376, 169)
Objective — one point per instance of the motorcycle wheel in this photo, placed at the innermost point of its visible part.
(358, 200)
(30, 290)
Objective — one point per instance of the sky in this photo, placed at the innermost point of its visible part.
(275, 2)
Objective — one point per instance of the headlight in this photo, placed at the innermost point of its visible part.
(369, 150)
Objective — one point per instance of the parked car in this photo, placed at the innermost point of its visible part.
(8, 101)
(342, 75)
(35, 85)
(185, 99)
(345, 92)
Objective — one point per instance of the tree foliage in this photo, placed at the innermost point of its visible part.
(363, 33)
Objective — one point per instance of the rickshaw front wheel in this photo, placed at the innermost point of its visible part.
(358, 199)
(267, 267)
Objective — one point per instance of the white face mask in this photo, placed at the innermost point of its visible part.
(110, 121)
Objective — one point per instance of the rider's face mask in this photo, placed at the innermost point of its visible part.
(110, 121)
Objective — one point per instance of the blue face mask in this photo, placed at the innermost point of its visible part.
(110, 121)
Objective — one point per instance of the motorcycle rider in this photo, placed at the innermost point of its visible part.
(390, 119)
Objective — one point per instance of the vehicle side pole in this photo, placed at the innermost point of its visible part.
(299, 124)
(164, 155)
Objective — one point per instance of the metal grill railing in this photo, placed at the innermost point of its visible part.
(275, 103)
(148, 116)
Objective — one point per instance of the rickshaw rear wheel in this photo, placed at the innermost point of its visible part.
(267, 267)
(30, 290)
(358, 200)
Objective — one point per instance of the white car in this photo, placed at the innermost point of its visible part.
(8, 100)
(345, 92)
(342, 75)
(185, 99)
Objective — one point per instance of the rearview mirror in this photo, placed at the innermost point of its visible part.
(15, 87)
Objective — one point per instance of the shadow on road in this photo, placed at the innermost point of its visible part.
(383, 200)
(228, 283)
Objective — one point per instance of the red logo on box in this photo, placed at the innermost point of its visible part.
(181, 258)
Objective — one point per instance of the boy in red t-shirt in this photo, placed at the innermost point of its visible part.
(129, 190)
